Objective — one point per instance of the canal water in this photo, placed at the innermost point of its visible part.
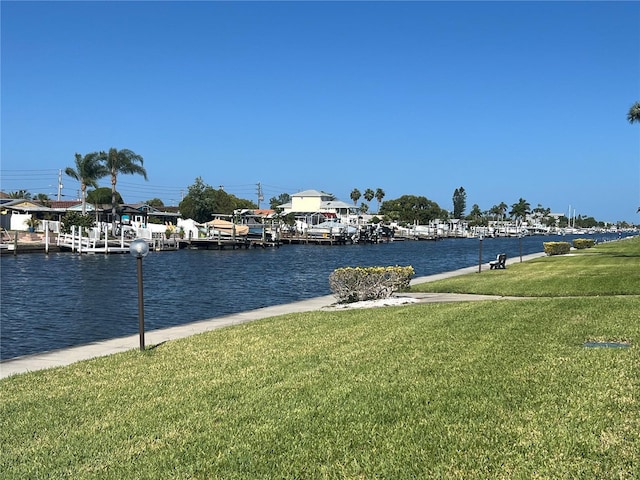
(61, 300)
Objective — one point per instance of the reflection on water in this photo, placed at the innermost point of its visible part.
(60, 300)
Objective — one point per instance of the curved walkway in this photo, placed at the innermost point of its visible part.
(67, 356)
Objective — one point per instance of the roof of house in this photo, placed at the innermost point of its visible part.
(324, 205)
(64, 203)
(312, 193)
(22, 205)
(336, 204)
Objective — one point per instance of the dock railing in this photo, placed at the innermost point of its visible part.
(92, 242)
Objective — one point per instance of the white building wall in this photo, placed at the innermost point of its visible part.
(306, 204)
(18, 221)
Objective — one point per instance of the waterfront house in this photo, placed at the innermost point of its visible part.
(141, 215)
(16, 213)
(313, 207)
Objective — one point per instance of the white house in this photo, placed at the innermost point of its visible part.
(314, 201)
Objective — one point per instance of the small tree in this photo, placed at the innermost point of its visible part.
(283, 198)
(155, 202)
(32, 222)
(198, 204)
(102, 196)
(71, 219)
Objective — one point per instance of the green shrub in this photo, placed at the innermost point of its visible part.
(556, 248)
(580, 243)
(368, 283)
(72, 218)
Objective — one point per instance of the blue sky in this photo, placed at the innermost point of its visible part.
(506, 99)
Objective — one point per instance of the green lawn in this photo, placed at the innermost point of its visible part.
(607, 269)
(474, 390)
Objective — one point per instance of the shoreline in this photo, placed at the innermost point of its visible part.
(67, 356)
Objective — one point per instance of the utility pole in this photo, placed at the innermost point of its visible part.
(59, 184)
(260, 197)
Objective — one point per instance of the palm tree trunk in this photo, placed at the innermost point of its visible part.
(113, 204)
(83, 187)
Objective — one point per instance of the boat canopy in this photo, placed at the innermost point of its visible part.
(225, 226)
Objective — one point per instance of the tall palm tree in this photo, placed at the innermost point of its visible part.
(355, 195)
(125, 162)
(87, 171)
(520, 210)
(634, 116)
(368, 194)
(379, 196)
(503, 209)
(634, 113)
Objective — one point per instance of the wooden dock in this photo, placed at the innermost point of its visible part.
(305, 239)
(25, 242)
(225, 243)
(71, 242)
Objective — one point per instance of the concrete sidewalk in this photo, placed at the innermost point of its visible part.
(67, 356)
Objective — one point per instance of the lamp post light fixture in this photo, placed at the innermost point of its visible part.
(520, 235)
(480, 255)
(140, 248)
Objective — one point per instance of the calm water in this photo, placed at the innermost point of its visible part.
(60, 300)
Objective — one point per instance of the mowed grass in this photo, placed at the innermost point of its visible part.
(475, 390)
(611, 268)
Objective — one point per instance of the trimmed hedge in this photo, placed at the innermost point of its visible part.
(556, 248)
(581, 243)
(368, 283)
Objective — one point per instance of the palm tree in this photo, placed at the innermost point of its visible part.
(355, 195)
(87, 171)
(43, 198)
(503, 209)
(379, 196)
(520, 210)
(20, 195)
(368, 194)
(496, 211)
(634, 116)
(121, 161)
(634, 113)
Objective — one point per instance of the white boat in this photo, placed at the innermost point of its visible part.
(223, 228)
(331, 230)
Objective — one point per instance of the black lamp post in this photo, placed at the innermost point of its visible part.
(480, 255)
(140, 248)
(520, 246)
